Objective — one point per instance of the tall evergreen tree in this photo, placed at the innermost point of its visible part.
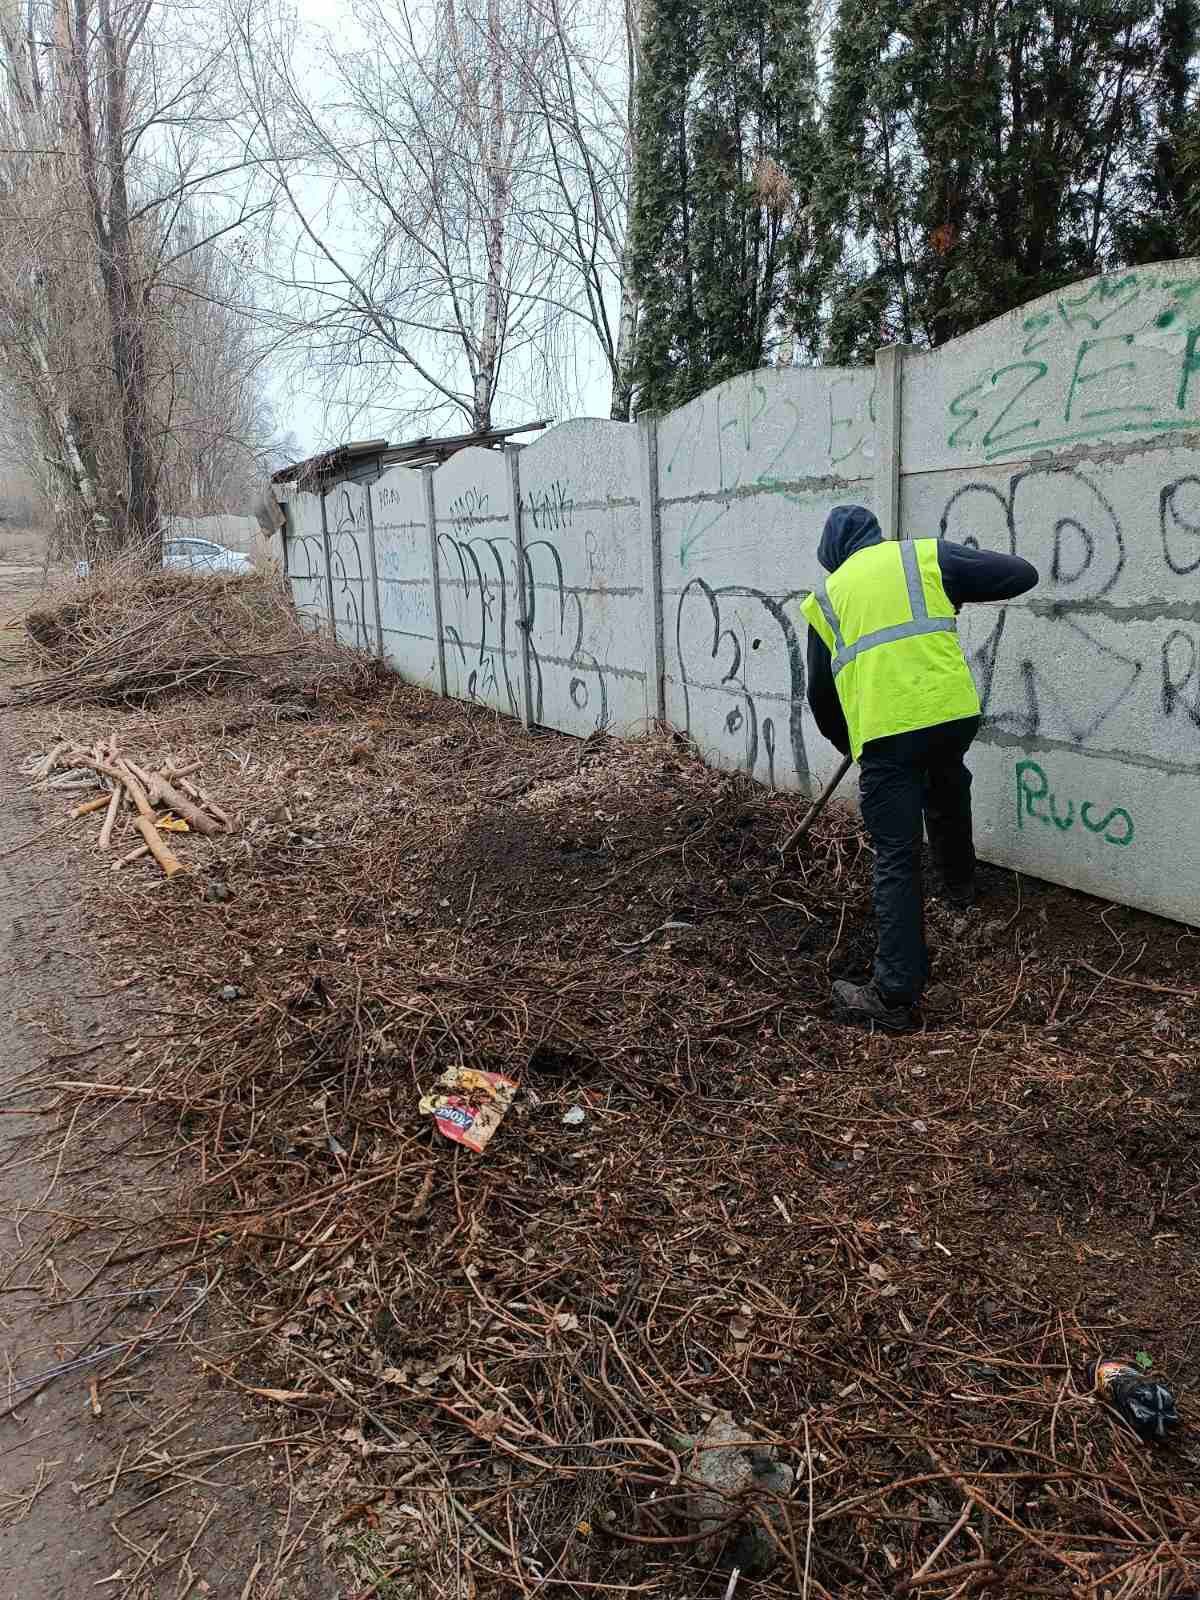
(978, 155)
(727, 142)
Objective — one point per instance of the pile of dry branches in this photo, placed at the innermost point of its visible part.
(889, 1262)
(130, 638)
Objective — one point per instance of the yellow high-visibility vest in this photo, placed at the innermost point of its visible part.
(890, 629)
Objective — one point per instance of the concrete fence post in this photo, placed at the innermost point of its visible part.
(431, 523)
(374, 572)
(328, 568)
(656, 687)
(889, 384)
(523, 578)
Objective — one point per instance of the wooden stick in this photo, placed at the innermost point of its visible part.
(136, 793)
(201, 798)
(148, 780)
(162, 792)
(46, 766)
(114, 805)
(170, 863)
(91, 805)
(135, 854)
(111, 769)
(192, 815)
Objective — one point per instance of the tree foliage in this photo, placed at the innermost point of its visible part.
(978, 155)
(725, 155)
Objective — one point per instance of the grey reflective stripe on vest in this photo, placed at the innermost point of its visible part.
(912, 577)
(921, 623)
(902, 630)
(830, 615)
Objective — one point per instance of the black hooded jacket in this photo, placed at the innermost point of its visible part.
(966, 573)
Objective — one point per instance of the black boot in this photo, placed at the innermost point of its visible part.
(863, 1002)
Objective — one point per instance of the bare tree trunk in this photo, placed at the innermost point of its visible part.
(75, 461)
(121, 282)
(626, 351)
(627, 320)
(498, 189)
(97, 175)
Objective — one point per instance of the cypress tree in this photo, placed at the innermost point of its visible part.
(979, 155)
(726, 145)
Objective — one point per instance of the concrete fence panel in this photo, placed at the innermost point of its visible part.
(304, 556)
(477, 576)
(350, 561)
(747, 474)
(589, 631)
(407, 610)
(1067, 433)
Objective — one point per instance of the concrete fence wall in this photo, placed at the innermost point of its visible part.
(613, 573)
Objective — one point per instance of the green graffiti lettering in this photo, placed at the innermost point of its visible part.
(836, 423)
(1121, 291)
(1039, 370)
(1027, 794)
(1062, 823)
(1079, 378)
(1191, 363)
(1109, 817)
(1035, 325)
(969, 416)
(1033, 788)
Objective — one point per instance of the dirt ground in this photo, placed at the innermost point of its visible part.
(891, 1262)
(153, 1484)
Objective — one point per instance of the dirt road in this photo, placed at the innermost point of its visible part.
(151, 1483)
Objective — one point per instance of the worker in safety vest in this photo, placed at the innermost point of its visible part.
(888, 683)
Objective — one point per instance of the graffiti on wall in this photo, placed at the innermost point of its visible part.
(1118, 355)
(731, 420)
(554, 610)
(482, 566)
(488, 568)
(713, 652)
(550, 617)
(1060, 518)
(349, 531)
(1036, 799)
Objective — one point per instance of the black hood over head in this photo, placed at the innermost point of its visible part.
(848, 529)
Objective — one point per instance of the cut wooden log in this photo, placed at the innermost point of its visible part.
(147, 779)
(170, 863)
(196, 819)
(135, 854)
(48, 763)
(161, 791)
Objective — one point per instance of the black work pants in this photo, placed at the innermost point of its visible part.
(905, 779)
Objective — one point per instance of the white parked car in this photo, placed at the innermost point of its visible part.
(200, 555)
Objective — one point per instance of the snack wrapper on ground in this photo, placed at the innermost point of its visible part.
(472, 1105)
